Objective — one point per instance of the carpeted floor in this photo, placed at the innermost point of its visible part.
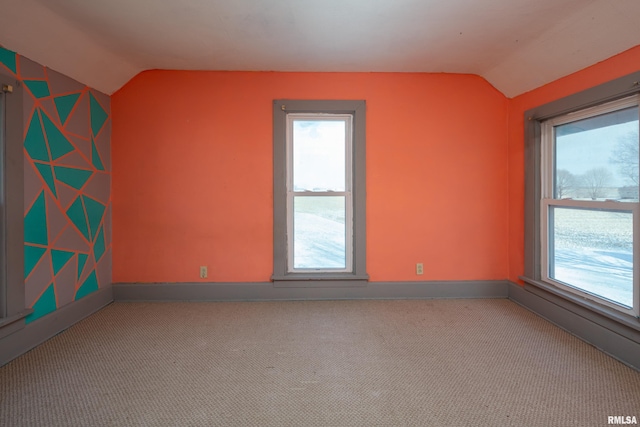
(316, 363)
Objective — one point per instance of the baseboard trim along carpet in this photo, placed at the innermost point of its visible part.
(39, 331)
(265, 291)
(614, 338)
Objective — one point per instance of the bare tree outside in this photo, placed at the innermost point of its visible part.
(625, 157)
(565, 183)
(595, 182)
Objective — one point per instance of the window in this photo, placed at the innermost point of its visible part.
(319, 194)
(3, 262)
(590, 203)
(12, 306)
(582, 210)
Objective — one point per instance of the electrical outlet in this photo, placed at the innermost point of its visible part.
(419, 268)
(203, 271)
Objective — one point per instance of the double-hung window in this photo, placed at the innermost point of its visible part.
(12, 298)
(3, 267)
(583, 210)
(319, 195)
(590, 211)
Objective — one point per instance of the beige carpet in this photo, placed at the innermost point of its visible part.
(316, 363)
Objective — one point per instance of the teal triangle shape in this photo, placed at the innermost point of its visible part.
(34, 142)
(39, 88)
(98, 115)
(82, 260)
(32, 255)
(73, 177)
(64, 105)
(90, 285)
(58, 143)
(95, 157)
(35, 223)
(59, 259)
(99, 246)
(46, 304)
(46, 172)
(9, 59)
(77, 216)
(95, 211)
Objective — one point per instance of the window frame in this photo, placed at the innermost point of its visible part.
(579, 104)
(12, 296)
(283, 276)
(549, 200)
(292, 193)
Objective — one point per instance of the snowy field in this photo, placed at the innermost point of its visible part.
(593, 249)
(594, 252)
(320, 233)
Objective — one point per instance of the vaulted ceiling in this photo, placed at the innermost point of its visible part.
(517, 45)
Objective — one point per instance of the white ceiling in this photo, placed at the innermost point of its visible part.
(517, 45)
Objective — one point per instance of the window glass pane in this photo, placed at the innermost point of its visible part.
(3, 287)
(597, 158)
(592, 250)
(2, 151)
(319, 232)
(319, 148)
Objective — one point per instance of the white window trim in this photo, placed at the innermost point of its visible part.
(347, 194)
(547, 201)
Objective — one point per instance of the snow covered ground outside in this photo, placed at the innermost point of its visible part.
(594, 252)
(319, 242)
(608, 274)
(593, 249)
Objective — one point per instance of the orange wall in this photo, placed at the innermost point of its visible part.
(192, 182)
(617, 66)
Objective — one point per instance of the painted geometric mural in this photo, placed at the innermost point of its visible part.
(67, 189)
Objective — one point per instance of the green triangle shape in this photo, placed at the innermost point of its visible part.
(65, 104)
(77, 216)
(82, 260)
(98, 115)
(95, 157)
(39, 88)
(32, 255)
(99, 246)
(35, 223)
(46, 304)
(47, 174)
(58, 143)
(34, 142)
(59, 259)
(8, 58)
(90, 285)
(75, 178)
(95, 210)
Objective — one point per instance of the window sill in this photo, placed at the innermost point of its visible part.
(540, 288)
(320, 280)
(11, 324)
